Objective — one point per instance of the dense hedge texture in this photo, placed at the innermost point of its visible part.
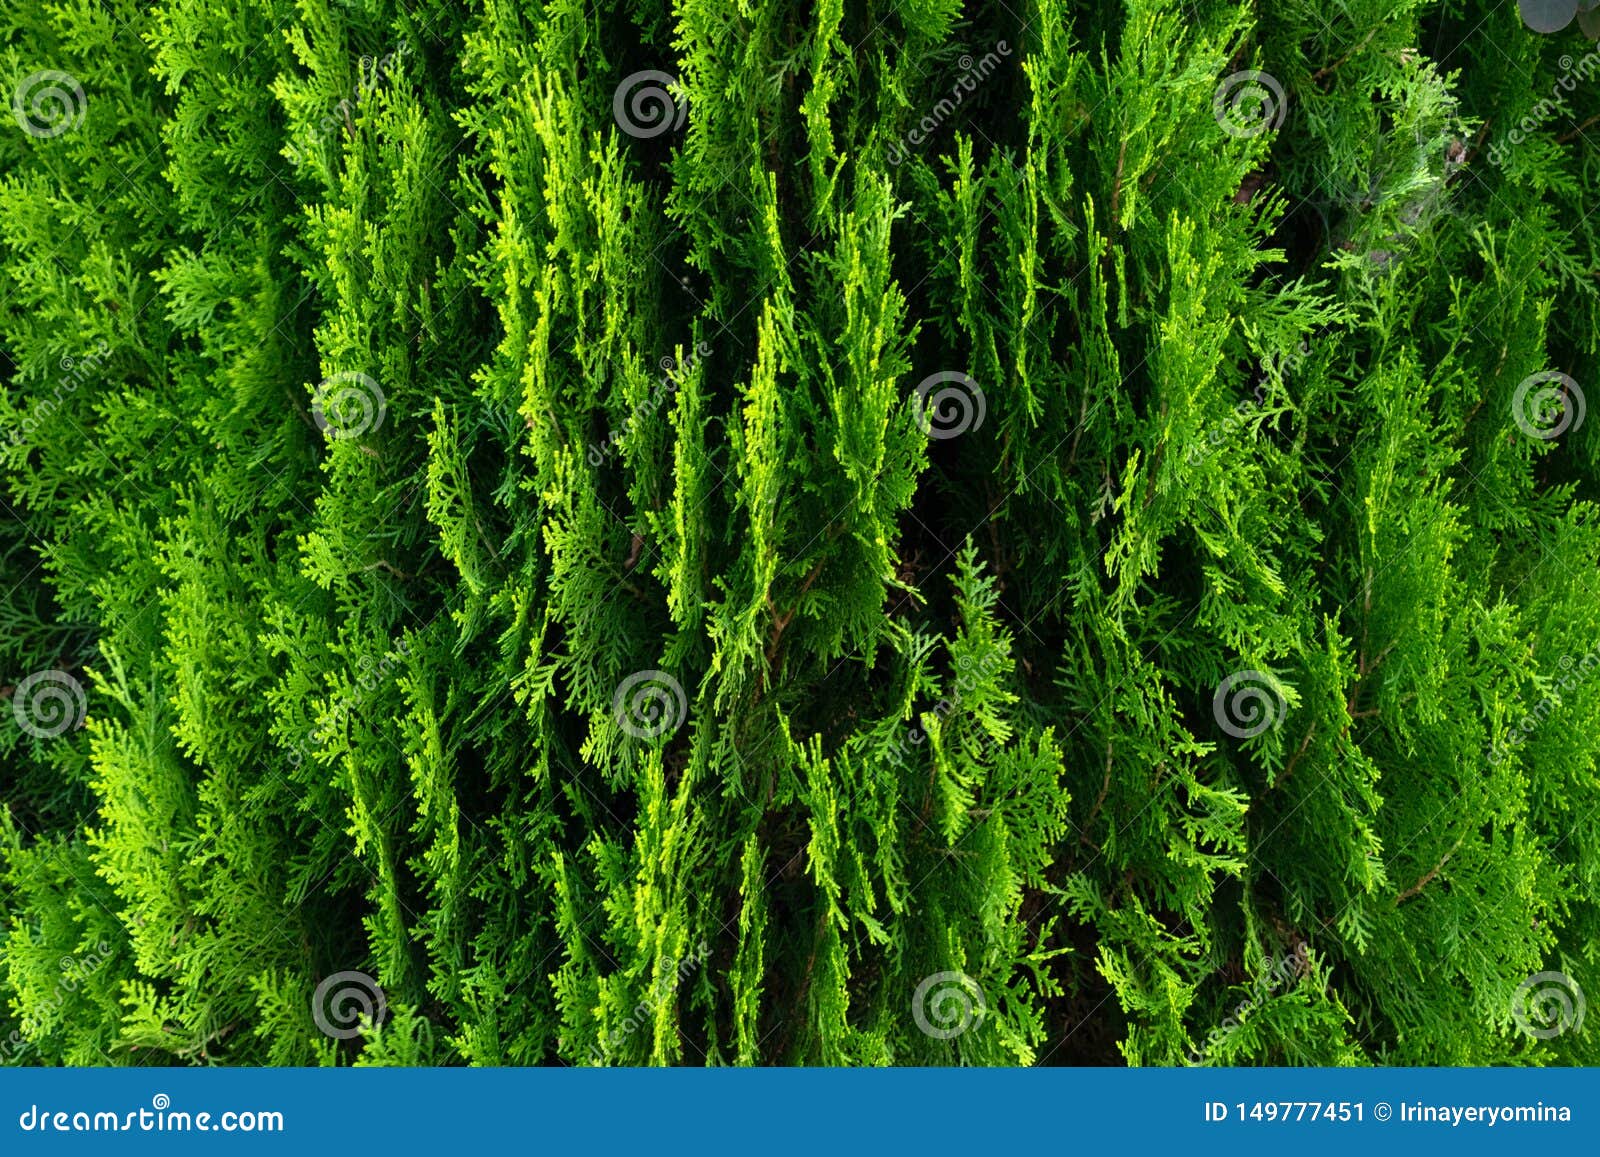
(728, 532)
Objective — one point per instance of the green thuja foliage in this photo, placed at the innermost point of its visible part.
(776, 533)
